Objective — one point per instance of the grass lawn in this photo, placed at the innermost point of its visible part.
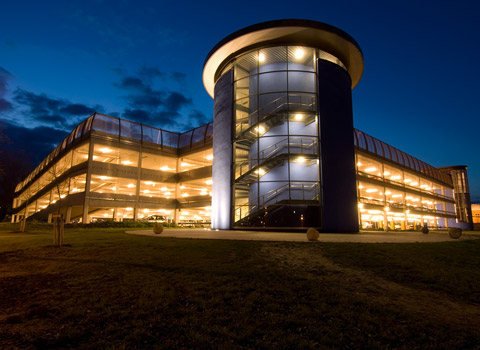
(109, 290)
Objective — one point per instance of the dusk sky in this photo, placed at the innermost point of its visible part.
(142, 60)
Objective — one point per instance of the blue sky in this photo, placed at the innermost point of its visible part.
(143, 60)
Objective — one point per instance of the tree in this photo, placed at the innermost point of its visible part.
(15, 167)
(61, 189)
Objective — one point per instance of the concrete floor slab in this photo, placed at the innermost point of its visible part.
(362, 237)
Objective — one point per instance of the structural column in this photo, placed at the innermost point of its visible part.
(223, 153)
(339, 193)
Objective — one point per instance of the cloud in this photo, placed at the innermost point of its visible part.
(5, 105)
(175, 101)
(151, 101)
(4, 77)
(198, 118)
(37, 143)
(59, 113)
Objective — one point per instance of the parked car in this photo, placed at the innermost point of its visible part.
(155, 218)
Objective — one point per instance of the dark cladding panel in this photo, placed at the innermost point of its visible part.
(339, 195)
(222, 150)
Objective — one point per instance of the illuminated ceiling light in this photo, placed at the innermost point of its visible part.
(167, 193)
(130, 185)
(203, 193)
(407, 181)
(113, 188)
(298, 116)
(414, 184)
(359, 164)
(260, 172)
(396, 196)
(301, 159)
(128, 209)
(299, 53)
(388, 193)
(360, 205)
(360, 186)
(209, 157)
(370, 190)
(85, 156)
(105, 150)
(408, 197)
(146, 210)
(184, 194)
(127, 162)
(105, 215)
(185, 164)
(75, 190)
(146, 191)
(209, 182)
(163, 189)
(369, 170)
(386, 173)
(415, 200)
(104, 177)
(186, 212)
(62, 196)
(261, 57)
(165, 168)
(260, 129)
(396, 177)
(148, 183)
(182, 187)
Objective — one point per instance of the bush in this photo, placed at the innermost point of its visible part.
(312, 234)
(158, 228)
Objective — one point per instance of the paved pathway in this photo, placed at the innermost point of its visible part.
(362, 237)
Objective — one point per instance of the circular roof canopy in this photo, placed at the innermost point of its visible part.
(285, 32)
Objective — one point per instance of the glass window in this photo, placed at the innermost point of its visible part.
(371, 193)
(301, 81)
(170, 139)
(393, 174)
(272, 59)
(111, 184)
(195, 160)
(152, 135)
(185, 139)
(77, 184)
(301, 58)
(272, 82)
(106, 124)
(115, 155)
(157, 189)
(130, 130)
(158, 162)
(370, 167)
(246, 65)
(80, 154)
(199, 134)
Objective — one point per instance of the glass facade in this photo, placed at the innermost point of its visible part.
(112, 169)
(101, 176)
(276, 151)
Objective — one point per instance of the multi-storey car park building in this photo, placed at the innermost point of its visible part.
(281, 152)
